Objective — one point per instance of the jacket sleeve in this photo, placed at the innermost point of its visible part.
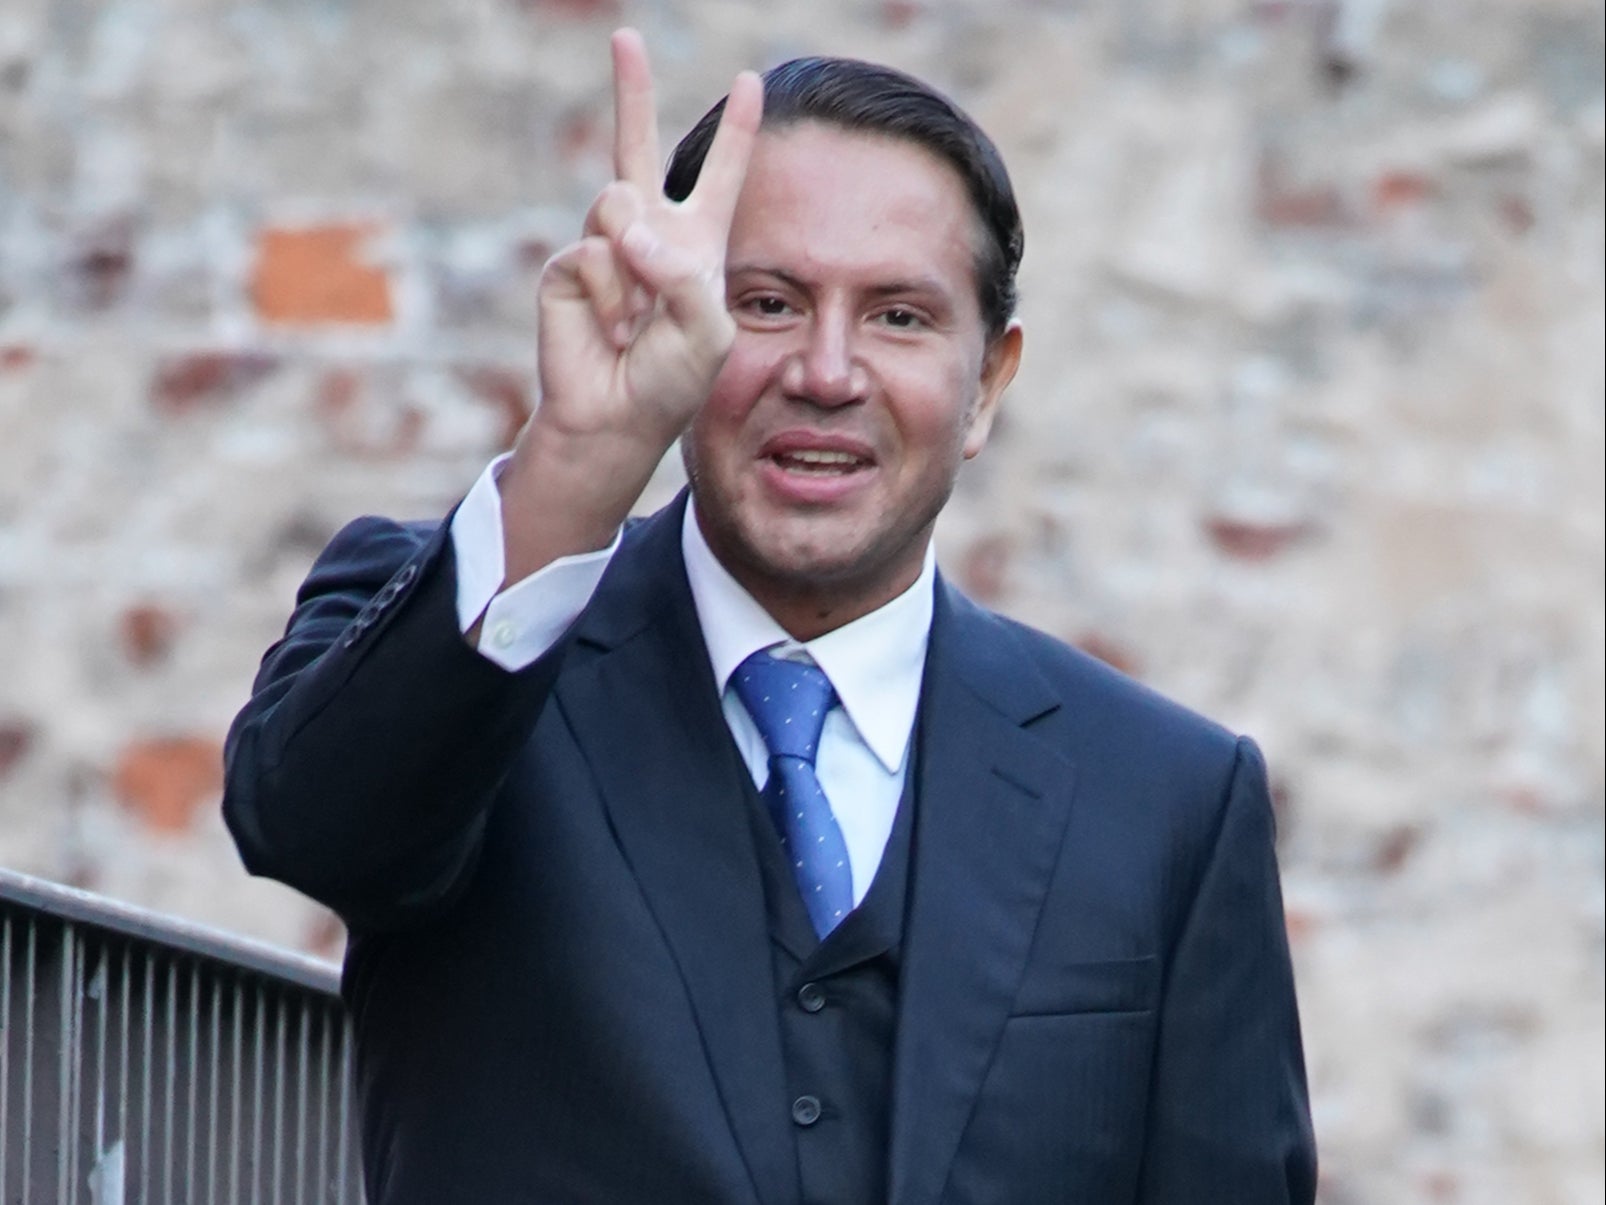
(362, 770)
(1229, 1120)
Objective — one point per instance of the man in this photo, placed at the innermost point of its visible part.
(737, 857)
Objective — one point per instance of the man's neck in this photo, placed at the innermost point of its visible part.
(807, 609)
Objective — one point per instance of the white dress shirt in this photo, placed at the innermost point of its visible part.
(876, 663)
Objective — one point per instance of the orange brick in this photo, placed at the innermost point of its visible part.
(1399, 190)
(166, 779)
(314, 275)
(1248, 540)
(16, 356)
(193, 381)
(148, 632)
(900, 14)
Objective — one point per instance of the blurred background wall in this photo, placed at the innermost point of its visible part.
(1309, 435)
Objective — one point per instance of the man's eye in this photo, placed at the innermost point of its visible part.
(769, 307)
(900, 318)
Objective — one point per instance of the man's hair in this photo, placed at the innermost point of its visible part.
(865, 97)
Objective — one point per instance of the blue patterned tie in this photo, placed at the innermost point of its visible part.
(788, 701)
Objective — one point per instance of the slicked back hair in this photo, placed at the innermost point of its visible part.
(868, 98)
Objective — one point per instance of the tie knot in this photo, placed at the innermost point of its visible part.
(787, 700)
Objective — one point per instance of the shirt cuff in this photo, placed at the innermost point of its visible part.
(525, 620)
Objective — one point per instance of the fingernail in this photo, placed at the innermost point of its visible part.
(621, 334)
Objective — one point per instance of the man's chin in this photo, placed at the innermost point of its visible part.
(805, 571)
(839, 564)
(801, 548)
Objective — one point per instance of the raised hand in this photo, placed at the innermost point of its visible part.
(633, 319)
(633, 327)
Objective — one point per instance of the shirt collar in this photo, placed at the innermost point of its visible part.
(875, 663)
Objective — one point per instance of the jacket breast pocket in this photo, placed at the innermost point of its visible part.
(1118, 985)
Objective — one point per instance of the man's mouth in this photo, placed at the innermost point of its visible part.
(818, 462)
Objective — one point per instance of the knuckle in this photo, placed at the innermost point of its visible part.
(564, 263)
(616, 205)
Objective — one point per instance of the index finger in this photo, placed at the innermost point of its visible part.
(635, 115)
(719, 182)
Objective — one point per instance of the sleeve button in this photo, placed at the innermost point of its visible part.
(806, 1110)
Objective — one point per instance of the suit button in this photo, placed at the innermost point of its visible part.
(806, 1110)
(811, 997)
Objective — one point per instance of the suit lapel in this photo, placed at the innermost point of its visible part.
(638, 694)
(991, 813)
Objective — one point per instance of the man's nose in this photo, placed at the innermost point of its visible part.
(827, 370)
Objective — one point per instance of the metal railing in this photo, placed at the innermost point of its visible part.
(148, 1061)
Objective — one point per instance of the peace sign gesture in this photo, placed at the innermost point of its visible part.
(633, 320)
(633, 327)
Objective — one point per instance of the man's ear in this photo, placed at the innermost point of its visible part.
(997, 371)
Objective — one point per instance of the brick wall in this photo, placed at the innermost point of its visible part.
(1309, 435)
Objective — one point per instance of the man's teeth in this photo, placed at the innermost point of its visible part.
(818, 461)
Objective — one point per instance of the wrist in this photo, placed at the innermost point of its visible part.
(562, 495)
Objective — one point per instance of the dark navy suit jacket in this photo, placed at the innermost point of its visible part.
(560, 971)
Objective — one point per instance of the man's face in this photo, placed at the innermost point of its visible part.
(861, 374)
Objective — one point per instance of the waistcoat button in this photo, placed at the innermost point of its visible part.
(806, 1110)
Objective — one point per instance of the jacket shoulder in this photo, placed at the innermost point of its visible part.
(1095, 696)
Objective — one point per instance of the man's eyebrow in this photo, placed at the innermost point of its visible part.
(786, 278)
(923, 286)
(915, 285)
